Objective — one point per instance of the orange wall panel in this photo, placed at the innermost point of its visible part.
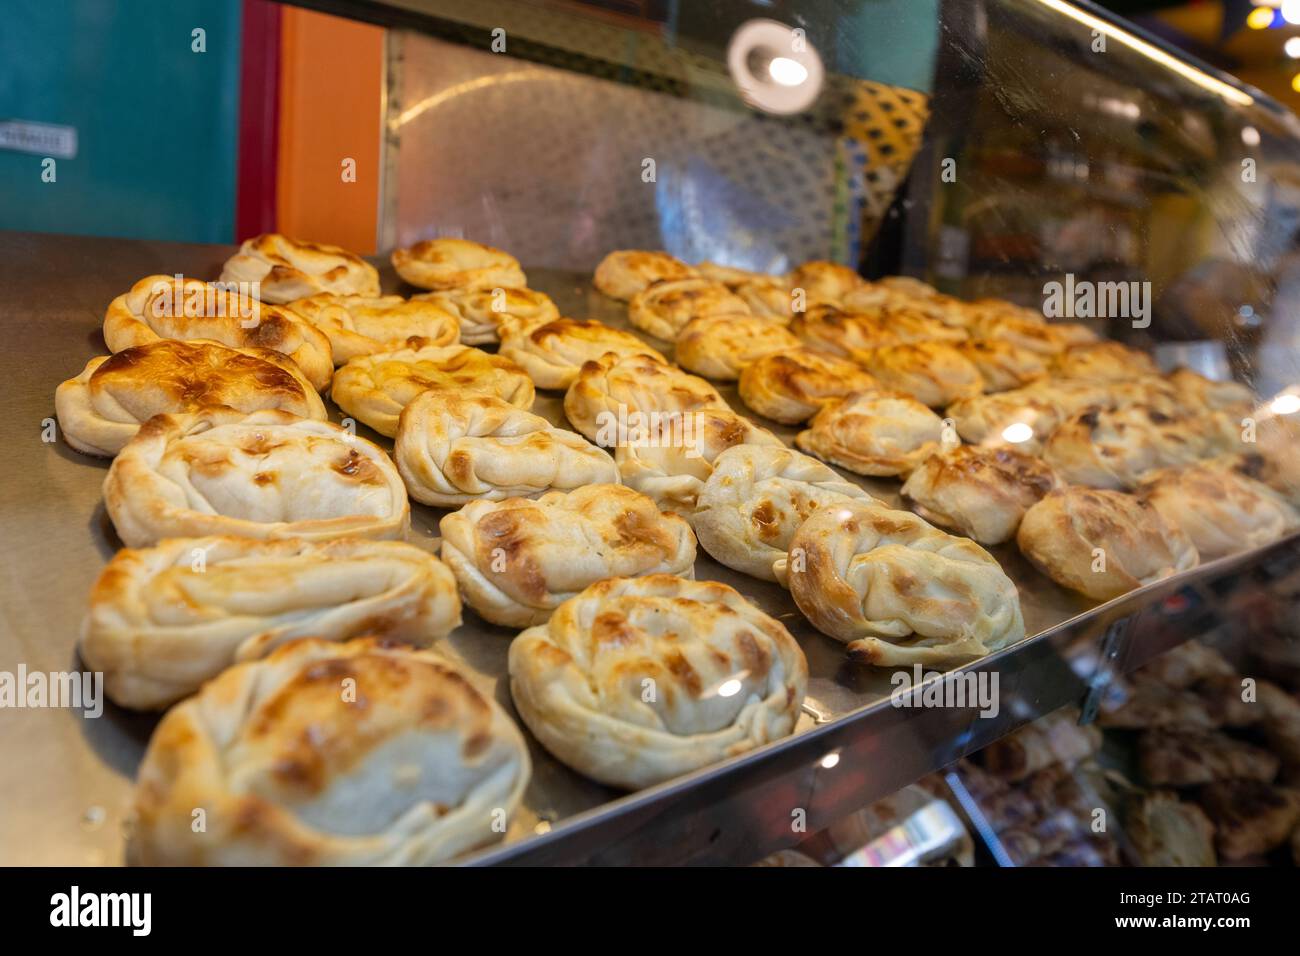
(331, 91)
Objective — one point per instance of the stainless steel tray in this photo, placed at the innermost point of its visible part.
(65, 780)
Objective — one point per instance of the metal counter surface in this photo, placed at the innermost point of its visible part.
(65, 779)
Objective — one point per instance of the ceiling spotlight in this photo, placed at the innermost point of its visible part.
(786, 71)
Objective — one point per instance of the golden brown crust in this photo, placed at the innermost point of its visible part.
(1102, 543)
(163, 307)
(980, 492)
(287, 269)
(824, 281)
(1003, 365)
(897, 590)
(873, 433)
(553, 352)
(324, 753)
(720, 346)
(663, 309)
(637, 680)
(612, 388)
(1103, 362)
(1022, 418)
(845, 333)
(102, 408)
(1031, 332)
(480, 310)
(624, 273)
(359, 325)
(790, 386)
(1114, 449)
(457, 264)
(934, 373)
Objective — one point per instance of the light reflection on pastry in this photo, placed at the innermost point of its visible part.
(723, 678)
(1022, 418)
(517, 560)
(457, 264)
(375, 388)
(665, 308)
(479, 310)
(980, 492)
(624, 273)
(453, 447)
(720, 346)
(897, 590)
(285, 269)
(362, 325)
(1102, 543)
(789, 386)
(873, 433)
(101, 409)
(933, 373)
(552, 352)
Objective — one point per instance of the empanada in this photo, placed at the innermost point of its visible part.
(624, 273)
(552, 352)
(359, 325)
(1029, 331)
(281, 269)
(766, 298)
(164, 620)
(270, 475)
(892, 296)
(897, 590)
(479, 310)
(1021, 418)
(730, 276)
(325, 753)
(1003, 365)
(517, 560)
(163, 307)
(1103, 362)
(934, 373)
(457, 264)
(1201, 392)
(1101, 448)
(664, 308)
(672, 461)
(873, 433)
(755, 499)
(1102, 543)
(834, 331)
(615, 394)
(790, 386)
(637, 680)
(980, 492)
(823, 281)
(452, 448)
(375, 388)
(720, 346)
(1221, 509)
(102, 408)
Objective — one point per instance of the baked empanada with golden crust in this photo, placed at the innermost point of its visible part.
(625, 272)
(457, 264)
(873, 433)
(285, 269)
(790, 386)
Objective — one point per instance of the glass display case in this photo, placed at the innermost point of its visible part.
(1034, 155)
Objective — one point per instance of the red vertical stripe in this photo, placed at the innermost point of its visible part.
(259, 119)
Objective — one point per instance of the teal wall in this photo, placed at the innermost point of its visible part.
(156, 123)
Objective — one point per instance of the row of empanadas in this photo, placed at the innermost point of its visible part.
(375, 388)
(517, 560)
(163, 620)
(101, 409)
(452, 448)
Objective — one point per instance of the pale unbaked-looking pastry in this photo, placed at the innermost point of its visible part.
(624, 273)
(628, 390)
(1020, 418)
(452, 448)
(1102, 543)
(552, 352)
(665, 308)
(790, 386)
(824, 281)
(479, 310)
(1102, 448)
(672, 461)
(934, 373)
(720, 346)
(375, 388)
(755, 499)
(1103, 362)
(269, 475)
(1003, 365)
(637, 680)
(1221, 509)
(164, 620)
(897, 590)
(457, 264)
(363, 325)
(163, 307)
(981, 492)
(873, 433)
(517, 560)
(102, 408)
(286, 269)
(326, 753)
